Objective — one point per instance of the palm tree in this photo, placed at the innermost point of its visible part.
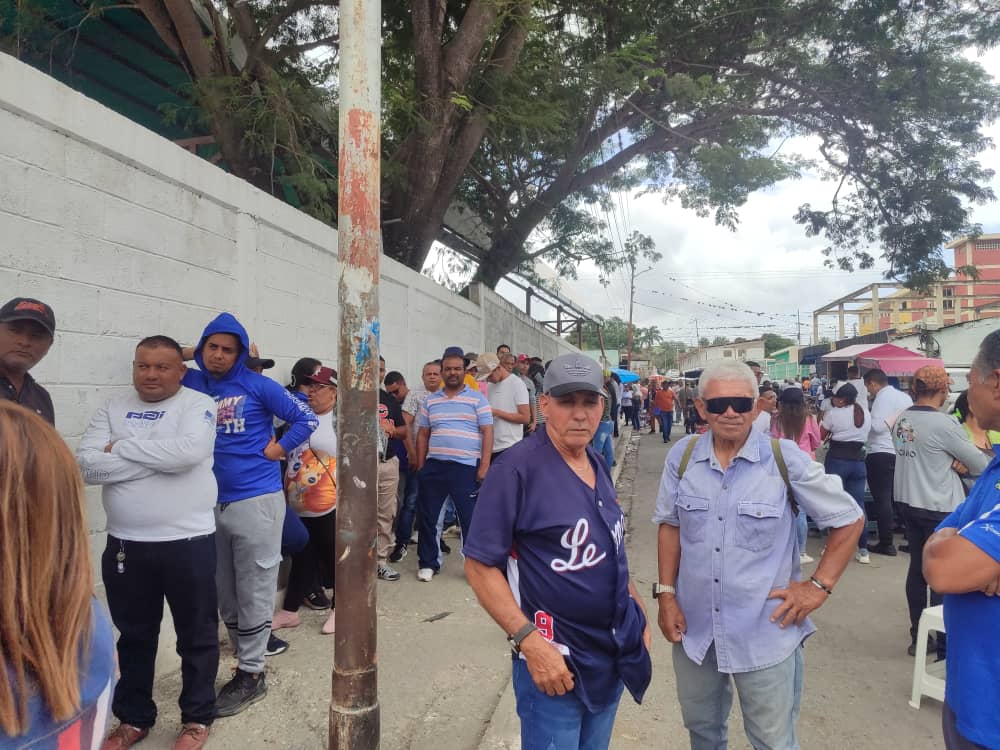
(647, 338)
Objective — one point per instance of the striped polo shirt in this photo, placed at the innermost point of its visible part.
(454, 424)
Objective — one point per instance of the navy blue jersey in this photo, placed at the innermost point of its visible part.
(562, 547)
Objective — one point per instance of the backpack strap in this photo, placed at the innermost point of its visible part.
(686, 458)
(779, 459)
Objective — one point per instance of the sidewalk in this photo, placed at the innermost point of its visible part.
(444, 666)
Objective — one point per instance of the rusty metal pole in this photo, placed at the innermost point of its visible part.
(354, 708)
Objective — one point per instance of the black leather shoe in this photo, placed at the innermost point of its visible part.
(882, 549)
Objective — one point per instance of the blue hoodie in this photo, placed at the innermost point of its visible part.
(247, 404)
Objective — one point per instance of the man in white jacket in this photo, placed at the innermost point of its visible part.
(152, 450)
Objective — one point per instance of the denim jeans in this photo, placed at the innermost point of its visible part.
(853, 474)
(604, 444)
(438, 480)
(769, 699)
(666, 423)
(559, 722)
(407, 509)
(802, 530)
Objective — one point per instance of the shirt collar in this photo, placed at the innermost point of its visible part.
(750, 451)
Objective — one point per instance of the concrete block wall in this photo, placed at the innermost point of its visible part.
(126, 234)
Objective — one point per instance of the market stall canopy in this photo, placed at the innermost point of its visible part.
(627, 376)
(892, 359)
(898, 366)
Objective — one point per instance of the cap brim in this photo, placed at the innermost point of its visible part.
(35, 318)
(565, 388)
(482, 376)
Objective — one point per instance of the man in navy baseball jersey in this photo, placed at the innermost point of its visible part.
(546, 558)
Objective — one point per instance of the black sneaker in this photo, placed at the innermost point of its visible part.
(317, 600)
(240, 693)
(883, 549)
(445, 548)
(275, 646)
(398, 553)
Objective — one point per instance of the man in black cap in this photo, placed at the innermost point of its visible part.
(27, 328)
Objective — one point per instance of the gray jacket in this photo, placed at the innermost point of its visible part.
(926, 443)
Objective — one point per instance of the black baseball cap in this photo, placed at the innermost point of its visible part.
(26, 308)
(259, 363)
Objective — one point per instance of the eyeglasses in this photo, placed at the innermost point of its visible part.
(740, 404)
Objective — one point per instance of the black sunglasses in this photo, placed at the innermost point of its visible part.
(740, 404)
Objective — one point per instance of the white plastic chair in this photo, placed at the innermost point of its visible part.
(928, 679)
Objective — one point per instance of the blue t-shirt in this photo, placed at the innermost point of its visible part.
(562, 545)
(85, 729)
(973, 679)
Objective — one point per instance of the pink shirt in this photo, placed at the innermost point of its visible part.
(809, 440)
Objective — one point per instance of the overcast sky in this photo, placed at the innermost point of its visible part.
(767, 267)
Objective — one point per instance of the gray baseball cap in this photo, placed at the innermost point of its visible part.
(568, 373)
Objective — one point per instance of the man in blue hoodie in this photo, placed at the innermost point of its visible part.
(251, 507)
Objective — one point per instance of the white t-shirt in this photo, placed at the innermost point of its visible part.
(888, 404)
(158, 480)
(311, 476)
(507, 395)
(839, 422)
(763, 423)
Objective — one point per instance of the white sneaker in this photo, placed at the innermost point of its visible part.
(425, 574)
(805, 559)
(862, 557)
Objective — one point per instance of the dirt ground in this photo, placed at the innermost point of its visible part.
(444, 680)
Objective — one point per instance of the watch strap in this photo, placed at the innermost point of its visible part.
(515, 638)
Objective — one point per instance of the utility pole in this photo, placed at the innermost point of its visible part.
(798, 327)
(354, 709)
(631, 306)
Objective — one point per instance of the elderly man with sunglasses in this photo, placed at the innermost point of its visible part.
(732, 598)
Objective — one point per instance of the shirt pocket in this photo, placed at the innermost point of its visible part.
(693, 514)
(757, 524)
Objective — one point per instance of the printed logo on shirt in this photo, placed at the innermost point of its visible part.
(618, 533)
(209, 417)
(546, 625)
(229, 416)
(581, 554)
(151, 416)
(903, 436)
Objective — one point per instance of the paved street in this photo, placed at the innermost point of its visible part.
(444, 682)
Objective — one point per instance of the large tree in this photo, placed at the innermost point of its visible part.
(535, 115)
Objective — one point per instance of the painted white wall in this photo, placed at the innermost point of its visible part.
(959, 343)
(127, 235)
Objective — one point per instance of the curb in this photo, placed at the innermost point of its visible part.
(503, 730)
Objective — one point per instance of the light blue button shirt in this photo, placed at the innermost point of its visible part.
(738, 543)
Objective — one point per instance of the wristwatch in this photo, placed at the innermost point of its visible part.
(514, 639)
(662, 588)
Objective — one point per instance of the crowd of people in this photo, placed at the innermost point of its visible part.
(211, 475)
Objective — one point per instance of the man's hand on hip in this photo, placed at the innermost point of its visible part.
(800, 598)
(273, 450)
(670, 618)
(546, 665)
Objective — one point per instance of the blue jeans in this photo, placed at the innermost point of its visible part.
(603, 443)
(769, 699)
(666, 423)
(438, 480)
(559, 722)
(636, 413)
(407, 509)
(853, 474)
(802, 530)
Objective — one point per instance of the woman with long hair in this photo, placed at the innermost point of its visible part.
(847, 425)
(56, 644)
(795, 422)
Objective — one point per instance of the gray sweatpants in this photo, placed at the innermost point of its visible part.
(248, 551)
